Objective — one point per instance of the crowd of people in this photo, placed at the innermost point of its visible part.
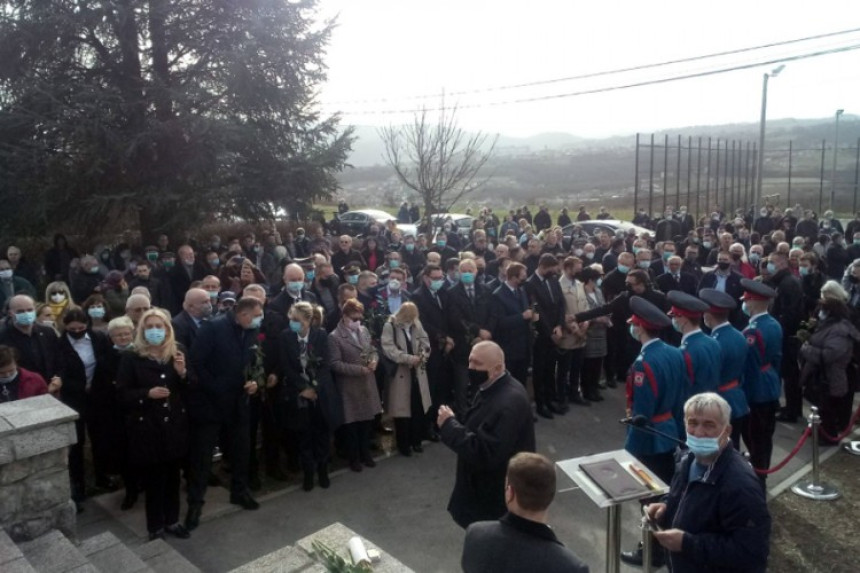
(173, 350)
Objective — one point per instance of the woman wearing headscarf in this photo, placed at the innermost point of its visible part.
(115, 291)
(58, 297)
(309, 403)
(826, 355)
(405, 342)
(353, 362)
(149, 383)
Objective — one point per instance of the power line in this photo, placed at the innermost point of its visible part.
(602, 73)
(618, 87)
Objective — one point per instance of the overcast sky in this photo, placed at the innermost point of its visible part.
(385, 51)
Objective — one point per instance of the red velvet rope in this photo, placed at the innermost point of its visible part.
(790, 455)
(847, 430)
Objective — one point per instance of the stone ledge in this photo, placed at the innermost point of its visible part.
(35, 412)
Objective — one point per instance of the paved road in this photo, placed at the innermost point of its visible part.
(400, 504)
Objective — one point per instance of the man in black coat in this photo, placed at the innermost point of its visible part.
(196, 308)
(510, 320)
(787, 309)
(498, 425)
(677, 279)
(521, 540)
(545, 292)
(726, 280)
(225, 350)
(186, 271)
(36, 345)
(344, 255)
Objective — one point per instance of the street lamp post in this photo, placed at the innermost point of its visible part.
(833, 170)
(763, 121)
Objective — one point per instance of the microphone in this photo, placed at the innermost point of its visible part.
(643, 424)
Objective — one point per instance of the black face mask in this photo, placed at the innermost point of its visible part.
(736, 256)
(77, 335)
(478, 377)
(723, 265)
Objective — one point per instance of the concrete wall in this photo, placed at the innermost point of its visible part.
(35, 493)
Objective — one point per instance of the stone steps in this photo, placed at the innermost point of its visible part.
(54, 553)
(287, 559)
(107, 553)
(162, 558)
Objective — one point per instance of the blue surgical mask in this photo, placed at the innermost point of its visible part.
(436, 285)
(393, 264)
(410, 247)
(745, 308)
(633, 332)
(703, 447)
(599, 282)
(352, 279)
(155, 335)
(310, 275)
(822, 315)
(441, 243)
(25, 318)
(675, 325)
(623, 269)
(754, 258)
(636, 250)
(644, 264)
(771, 268)
(96, 312)
(804, 271)
(256, 322)
(295, 287)
(707, 244)
(295, 326)
(668, 255)
(214, 263)
(467, 278)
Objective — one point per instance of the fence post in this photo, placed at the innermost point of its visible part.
(651, 181)
(717, 176)
(699, 179)
(708, 181)
(790, 155)
(636, 181)
(678, 175)
(665, 169)
(815, 488)
(856, 179)
(821, 177)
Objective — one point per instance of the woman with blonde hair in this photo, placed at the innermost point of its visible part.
(149, 383)
(58, 297)
(353, 361)
(307, 390)
(405, 342)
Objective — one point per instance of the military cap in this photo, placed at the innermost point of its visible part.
(227, 295)
(686, 305)
(719, 302)
(647, 315)
(756, 290)
(350, 269)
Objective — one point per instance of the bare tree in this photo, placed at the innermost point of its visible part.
(437, 159)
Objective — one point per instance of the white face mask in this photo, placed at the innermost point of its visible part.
(394, 284)
(58, 297)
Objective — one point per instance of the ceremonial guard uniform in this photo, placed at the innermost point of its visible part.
(734, 352)
(656, 384)
(761, 375)
(702, 354)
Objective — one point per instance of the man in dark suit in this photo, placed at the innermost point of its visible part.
(35, 345)
(616, 335)
(185, 272)
(344, 255)
(677, 279)
(435, 311)
(470, 307)
(724, 279)
(497, 425)
(511, 318)
(225, 348)
(544, 292)
(195, 309)
(787, 309)
(521, 540)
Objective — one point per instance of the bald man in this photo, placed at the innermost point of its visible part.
(196, 307)
(498, 425)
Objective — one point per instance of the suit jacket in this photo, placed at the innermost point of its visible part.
(497, 425)
(38, 352)
(435, 321)
(686, 283)
(185, 329)
(733, 283)
(291, 381)
(787, 307)
(180, 282)
(510, 330)
(513, 544)
(275, 321)
(551, 310)
(74, 390)
(468, 316)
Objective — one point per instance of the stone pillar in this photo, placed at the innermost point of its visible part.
(35, 494)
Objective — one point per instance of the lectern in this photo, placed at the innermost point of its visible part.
(651, 486)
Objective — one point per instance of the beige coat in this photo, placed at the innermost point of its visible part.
(399, 395)
(357, 388)
(574, 302)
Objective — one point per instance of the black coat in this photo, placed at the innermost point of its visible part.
(434, 320)
(513, 544)
(471, 315)
(787, 307)
(291, 381)
(219, 362)
(157, 430)
(180, 282)
(184, 329)
(497, 425)
(275, 321)
(510, 330)
(38, 352)
(686, 283)
(74, 390)
(550, 310)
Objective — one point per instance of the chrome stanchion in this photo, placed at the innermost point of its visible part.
(852, 447)
(613, 538)
(814, 488)
(647, 548)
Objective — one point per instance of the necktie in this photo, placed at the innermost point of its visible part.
(549, 289)
(471, 292)
(438, 302)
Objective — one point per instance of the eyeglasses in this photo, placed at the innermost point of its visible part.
(141, 309)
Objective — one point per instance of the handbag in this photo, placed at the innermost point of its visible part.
(389, 366)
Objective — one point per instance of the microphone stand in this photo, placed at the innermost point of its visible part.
(648, 429)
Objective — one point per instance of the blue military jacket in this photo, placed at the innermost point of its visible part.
(702, 357)
(656, 385)
(734, 354)
(764, 356)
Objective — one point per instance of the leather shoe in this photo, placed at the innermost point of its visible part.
(368, 462)
(405, 452)
(245, 500)
(611, 384)
(153, 535)
(579, 400)
(783, 416)
(544, 413)
(178, 530)
(634, 558)
(308, 483)
(192, 518)
(355, 466)
(595, 397)
(254, 482)
(418, 449)
(322, 471)
(129, 500)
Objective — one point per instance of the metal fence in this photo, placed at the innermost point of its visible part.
(705, 172)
